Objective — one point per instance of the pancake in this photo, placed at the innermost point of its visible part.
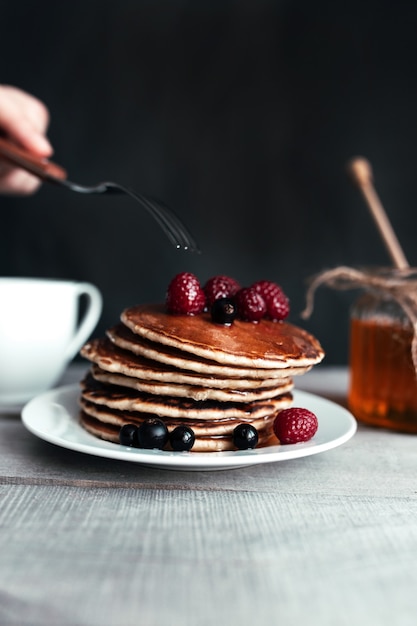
(125, 399)
(190, 391)
(210, 443)
(214, 435)
(124, 338)
(265, 345)
(200, 427)
(110, 358)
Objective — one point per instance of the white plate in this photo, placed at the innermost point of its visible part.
(53, 416)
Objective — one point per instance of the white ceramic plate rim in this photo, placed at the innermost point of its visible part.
(53, 417)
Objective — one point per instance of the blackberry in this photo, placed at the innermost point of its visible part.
(128, 435)
(152, 433)
(182, 438)
(245, 436)
(223, 311)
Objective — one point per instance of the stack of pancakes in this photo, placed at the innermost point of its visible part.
(187, 370)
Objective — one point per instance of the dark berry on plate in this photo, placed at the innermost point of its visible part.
(220, 287)
(152, 433)
(185, 295)
(223, 311)
(250, 304)
(295, 424)
(182, 438)
(128, 435)
(245, 436)
(277, 303)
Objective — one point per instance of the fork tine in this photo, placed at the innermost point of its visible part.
(185, 238)
(163, 220)
(166, 218)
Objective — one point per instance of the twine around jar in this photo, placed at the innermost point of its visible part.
(398, 284)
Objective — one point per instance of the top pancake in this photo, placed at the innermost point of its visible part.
(266, 344)
(123, 338)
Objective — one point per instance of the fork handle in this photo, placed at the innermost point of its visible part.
(39, 166)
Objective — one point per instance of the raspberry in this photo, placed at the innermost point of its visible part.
(250, 304)
(220, 287)
(294, 425)
(185, 295)
(277, 304)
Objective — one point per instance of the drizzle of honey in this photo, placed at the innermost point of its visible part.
(383, 382)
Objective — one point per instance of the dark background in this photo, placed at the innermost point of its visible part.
(241, 116)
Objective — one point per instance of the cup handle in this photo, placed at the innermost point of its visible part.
(89, 320)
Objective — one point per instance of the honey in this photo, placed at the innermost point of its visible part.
(383, 381)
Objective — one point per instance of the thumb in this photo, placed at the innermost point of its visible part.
(29, 137)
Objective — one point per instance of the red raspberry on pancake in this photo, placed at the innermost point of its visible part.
(250, 304)
(220, 287)
(277, 304)
(185, 295)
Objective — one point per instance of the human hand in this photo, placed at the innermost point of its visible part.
(24, 119)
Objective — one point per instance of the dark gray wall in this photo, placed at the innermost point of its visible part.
(241, 115)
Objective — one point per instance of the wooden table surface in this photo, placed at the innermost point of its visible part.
(326, 540)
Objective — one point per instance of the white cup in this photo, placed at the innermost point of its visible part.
(40, 332)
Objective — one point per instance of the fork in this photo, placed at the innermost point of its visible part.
(50, 172)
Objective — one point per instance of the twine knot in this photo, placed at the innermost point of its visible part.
(398, 284)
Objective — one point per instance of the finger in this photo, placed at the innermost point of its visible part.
(18, 182)
(28, 137)
(25, 119)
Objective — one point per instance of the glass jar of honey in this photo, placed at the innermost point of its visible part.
(383, 376)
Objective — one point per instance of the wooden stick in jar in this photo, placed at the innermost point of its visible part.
(361, 172)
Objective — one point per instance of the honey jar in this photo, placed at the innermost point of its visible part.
(383, 376)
